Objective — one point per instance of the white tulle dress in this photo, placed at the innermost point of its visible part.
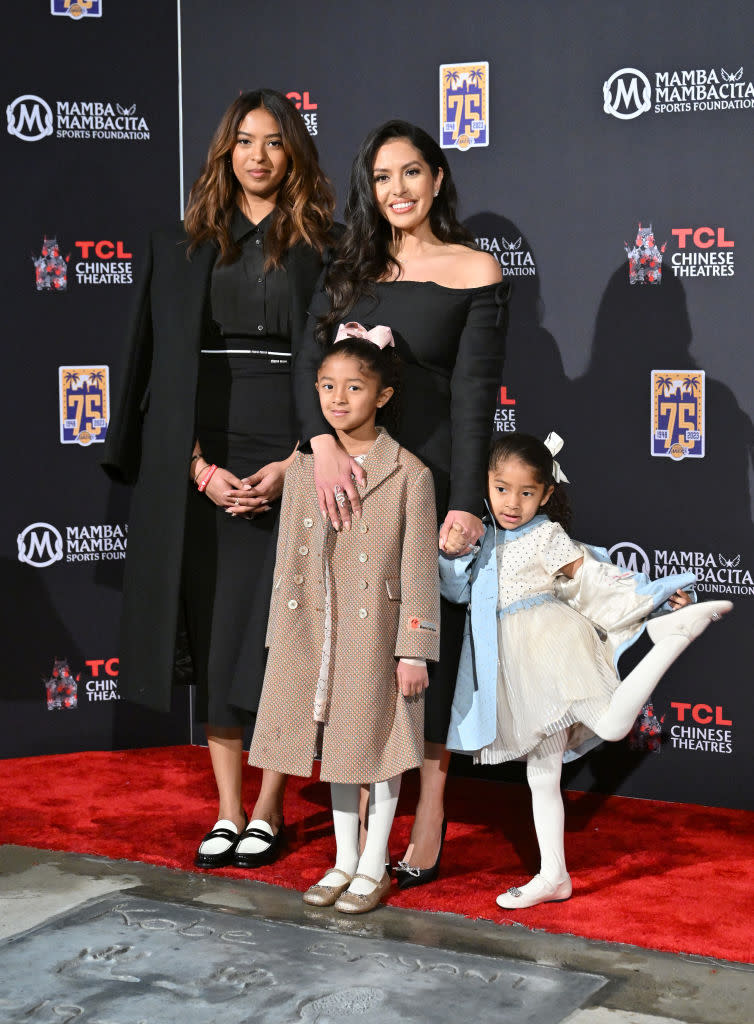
(555, 670)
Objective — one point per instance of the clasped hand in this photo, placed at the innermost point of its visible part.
(250, 496)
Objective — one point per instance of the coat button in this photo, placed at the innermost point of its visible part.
(363, 584)
(308, 523)
(292, 604)
(363, 557)
(303, 550)
(363, 528)
(298, 580)
(362, 613)
(259, 241)
(260, 327)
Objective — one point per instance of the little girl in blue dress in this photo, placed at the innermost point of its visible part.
(548, 619)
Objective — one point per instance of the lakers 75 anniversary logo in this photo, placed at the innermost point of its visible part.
(678, 414)
(77, 8)
(84, 404)
(464, 105)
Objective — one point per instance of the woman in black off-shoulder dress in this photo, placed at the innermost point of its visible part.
(405, 261)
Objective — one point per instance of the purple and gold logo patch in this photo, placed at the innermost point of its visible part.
(84, 403)
(677, 414)
(464, 105)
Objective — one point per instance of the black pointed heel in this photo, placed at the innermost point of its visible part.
(408, 877)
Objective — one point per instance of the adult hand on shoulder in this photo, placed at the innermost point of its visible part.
(412, 679)
(466, 527)
(333, 468)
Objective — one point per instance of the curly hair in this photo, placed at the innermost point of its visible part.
(531, 451)
(383, 363)
(364, 252)
(305, 203)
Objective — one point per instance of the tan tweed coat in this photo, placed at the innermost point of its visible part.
(385, 599)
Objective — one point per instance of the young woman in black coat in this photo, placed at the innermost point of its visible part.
(204, 429)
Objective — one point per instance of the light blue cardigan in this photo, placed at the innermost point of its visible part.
(472, 579)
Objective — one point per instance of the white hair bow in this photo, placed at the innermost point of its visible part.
(553, 443)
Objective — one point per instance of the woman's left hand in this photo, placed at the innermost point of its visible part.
(412, 679)
(266, 484)
(466, 524)
(679, 599)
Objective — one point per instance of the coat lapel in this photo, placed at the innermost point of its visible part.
(196, 292)
(303, 265)
(381, 461)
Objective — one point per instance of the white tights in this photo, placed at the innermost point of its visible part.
(383, 800)
(543, 772)
(544, 764)
(636, 689)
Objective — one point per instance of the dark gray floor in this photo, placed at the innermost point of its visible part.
(88, 940)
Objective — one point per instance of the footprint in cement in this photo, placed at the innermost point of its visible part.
(346, 1002)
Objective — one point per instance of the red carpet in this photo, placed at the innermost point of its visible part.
(674, 877)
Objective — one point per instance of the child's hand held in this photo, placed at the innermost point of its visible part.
(455, 542)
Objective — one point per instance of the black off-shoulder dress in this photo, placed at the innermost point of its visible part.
(452, 344)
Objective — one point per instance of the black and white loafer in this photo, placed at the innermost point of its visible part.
(217, 848)
(258, 845)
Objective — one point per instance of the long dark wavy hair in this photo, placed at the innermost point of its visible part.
(531, 451)
(364, 253)
(384, 364)
(305, 204)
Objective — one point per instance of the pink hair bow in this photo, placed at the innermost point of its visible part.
(380, 335)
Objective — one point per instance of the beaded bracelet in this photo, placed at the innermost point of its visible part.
(202, 486)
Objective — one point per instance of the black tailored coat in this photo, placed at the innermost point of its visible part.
(151, 437)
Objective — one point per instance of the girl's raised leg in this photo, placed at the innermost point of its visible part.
(671, 635)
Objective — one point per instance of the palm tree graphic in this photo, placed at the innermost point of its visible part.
(690, 384)
(451, 79)
(71, 377)
(664, 385)
(475, 76)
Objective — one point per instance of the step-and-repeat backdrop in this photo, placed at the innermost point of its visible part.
(89, 150)
(601, 153)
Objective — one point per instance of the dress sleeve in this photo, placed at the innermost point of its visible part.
(556, 548)
(121, 454)
(311, 422)
(476, 377)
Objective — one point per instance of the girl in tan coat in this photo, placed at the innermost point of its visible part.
(354, 618)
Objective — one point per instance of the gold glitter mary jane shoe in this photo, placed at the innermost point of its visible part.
(325, 895)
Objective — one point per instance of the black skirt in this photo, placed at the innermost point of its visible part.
(244, 421)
